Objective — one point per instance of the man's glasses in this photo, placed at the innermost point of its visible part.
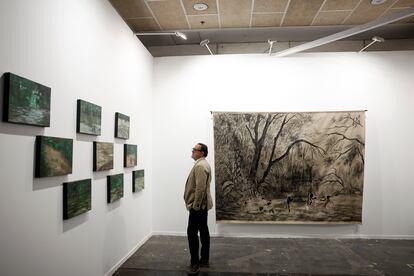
(196, 149)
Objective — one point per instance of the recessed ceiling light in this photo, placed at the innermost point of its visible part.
(200, 6)
(377, 2)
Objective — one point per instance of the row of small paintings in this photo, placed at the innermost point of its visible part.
(54, 156)
(28, 102)
(77, 195)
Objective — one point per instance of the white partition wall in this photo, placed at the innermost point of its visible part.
(186, 89)
(82, 50)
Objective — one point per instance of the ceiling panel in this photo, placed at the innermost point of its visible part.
(131, 8)
(270, 5)
(301, 12)
(169, 13)
(235, 13)
(366, 12)
(210, 21)
(267, 19)
(330, 18)
(188, 5)
(339, 5)
(404, 4)
(143, 24)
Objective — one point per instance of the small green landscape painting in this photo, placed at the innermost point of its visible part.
(77, 197)
(115, 187)
(53, 156)
(88, 118)
(103, 156)
(130, 155)
(137, 180)
(26, 102)
(121, 126)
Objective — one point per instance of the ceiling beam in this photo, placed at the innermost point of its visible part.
(347, 33)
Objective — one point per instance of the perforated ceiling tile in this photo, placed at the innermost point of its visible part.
(338, 5)
(143, 24)
(330, 18)
(131, 8)
(301, 12)
(235, 13)
(270, 5)
(170, 14)
(204, 21)
(366, 12)
(267, 19)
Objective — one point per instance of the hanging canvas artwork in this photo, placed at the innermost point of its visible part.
(115, 187)
(130, 155)
(103, 156)
(121, 126)
(289, 167)
(88, 120)
(77, 198)
(53, 156)
(137, 180)
(26, 102)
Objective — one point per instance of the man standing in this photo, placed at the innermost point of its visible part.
(198, 201)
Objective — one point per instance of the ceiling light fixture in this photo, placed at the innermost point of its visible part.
(205, 42)
(377, 2)
(177, 34)
(374, 39)
(200, 6)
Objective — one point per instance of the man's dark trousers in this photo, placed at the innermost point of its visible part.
(197, 221)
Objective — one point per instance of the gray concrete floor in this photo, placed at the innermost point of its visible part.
(168, 255)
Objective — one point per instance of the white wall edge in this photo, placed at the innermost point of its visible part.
(310, 236)
(129, 254)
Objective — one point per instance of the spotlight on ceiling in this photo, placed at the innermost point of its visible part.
(177, 34)
(200, 6)
(374, 39)
(377, 2)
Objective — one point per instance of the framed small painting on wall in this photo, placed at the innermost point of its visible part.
(53, 156)
(121, 126)
(77, 197)
(137, 180)
(88, 119)
(115, 187)
(103, 156)
(130, 155)
(26, 102)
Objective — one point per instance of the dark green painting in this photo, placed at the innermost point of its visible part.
(88, 118)
(121, 126)
(137, 180)
(26, 102)
(115, 187)
(53, 156)
(103, 156)
(130, 155)
(77, 197)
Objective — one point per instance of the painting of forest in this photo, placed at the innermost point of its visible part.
(53, 156)
(88, 118)
(103, 156)
(115, 187)
(121, 126)
(289, 167)
(130, 155)
(26, 102)
(77, 198)
(137, 180)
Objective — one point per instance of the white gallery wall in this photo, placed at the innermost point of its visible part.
(82, 50)
(186, 89)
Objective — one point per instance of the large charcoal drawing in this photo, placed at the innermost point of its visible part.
(289, 167)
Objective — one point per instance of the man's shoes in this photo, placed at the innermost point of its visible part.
(194, 269)
(204, 263)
